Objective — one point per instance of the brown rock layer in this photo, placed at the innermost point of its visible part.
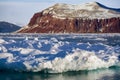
(46, 23)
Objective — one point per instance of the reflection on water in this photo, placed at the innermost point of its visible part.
(104, 74)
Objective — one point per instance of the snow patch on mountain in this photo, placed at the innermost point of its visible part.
(91, 10)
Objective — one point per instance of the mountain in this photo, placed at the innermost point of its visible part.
(6, 27)
(91, 17)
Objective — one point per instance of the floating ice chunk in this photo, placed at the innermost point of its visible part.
(2, 41)
(55, 49)
(36, 39)
(28, 65)
(7, 56)
(26, 38)
(3, 49)
(39, 45)
(54, 39)
(101, 39)
(25, 51)
(62, 38)
(12, 41)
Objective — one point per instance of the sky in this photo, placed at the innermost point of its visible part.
(20, 12)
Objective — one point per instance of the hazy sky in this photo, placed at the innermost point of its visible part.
(20, 11)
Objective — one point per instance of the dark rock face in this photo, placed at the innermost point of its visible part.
(48, 24)
(45, 22)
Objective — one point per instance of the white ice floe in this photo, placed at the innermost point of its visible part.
(79, 60)
(2, 41)
(7, 56)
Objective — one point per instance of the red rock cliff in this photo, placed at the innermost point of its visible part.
(57, 19)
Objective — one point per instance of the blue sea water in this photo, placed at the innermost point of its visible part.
(60, 56)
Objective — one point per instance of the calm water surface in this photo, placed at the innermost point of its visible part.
(102, 74)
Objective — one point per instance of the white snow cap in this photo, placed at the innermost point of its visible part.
(91, 10)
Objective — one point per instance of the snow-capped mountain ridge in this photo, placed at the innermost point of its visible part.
(90, 10)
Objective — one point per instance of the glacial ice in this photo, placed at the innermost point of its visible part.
(60, 53)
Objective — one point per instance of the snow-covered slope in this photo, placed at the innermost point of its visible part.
(89, 10)
(6, 27)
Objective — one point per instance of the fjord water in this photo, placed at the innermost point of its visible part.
(59, 56)
(101, 74)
